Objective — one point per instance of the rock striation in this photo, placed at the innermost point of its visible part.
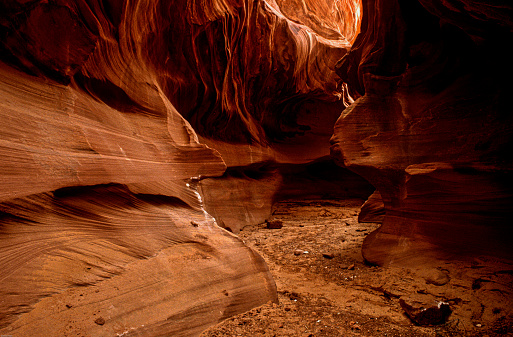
(432, 127)
(122, 126)
(144, 264)
(132, 131)
(97, 213)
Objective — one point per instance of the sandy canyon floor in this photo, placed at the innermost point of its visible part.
(326, 289)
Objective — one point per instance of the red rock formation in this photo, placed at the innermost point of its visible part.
(104, 250)
(432, 128)
(145, 264)
(112, 114)
(274, 94)
(245, 195)
(373, 210)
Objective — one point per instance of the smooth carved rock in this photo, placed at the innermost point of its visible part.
(116, 117)
(259, 175)
(136, 260)
(432, 136)
(55, 136)
(373, 210)
(241, 197)
(253, 66)
(104, 244)
(95, 94)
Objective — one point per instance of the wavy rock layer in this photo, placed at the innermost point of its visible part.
(112, 116)
(433, 127)
(147, 265)
(102, 251)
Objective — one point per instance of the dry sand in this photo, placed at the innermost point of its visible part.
(326, 289)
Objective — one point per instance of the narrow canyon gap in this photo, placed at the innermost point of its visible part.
(131, 132)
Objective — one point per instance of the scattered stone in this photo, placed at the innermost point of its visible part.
(328, 255)
(68, 306)
(292, 295)
(194, 224)
(100, 321)
(351, 267)
(354, 325)
(274, 224)
(225, 292)
(423, 313)
(298, 252)
(325, 213)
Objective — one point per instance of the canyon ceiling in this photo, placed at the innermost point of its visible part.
(131, 132)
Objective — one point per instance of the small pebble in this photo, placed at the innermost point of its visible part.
(274, 224)
(354, 325)
(100, 321)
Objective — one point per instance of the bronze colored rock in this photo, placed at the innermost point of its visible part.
(425, 313)
(373, 210)
(431, 129)
(130, 129)
(298, 252)
(245, 195)
(129, 257)
(100, 321)
(117, 122)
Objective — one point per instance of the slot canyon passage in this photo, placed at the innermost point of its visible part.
(256, 168)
